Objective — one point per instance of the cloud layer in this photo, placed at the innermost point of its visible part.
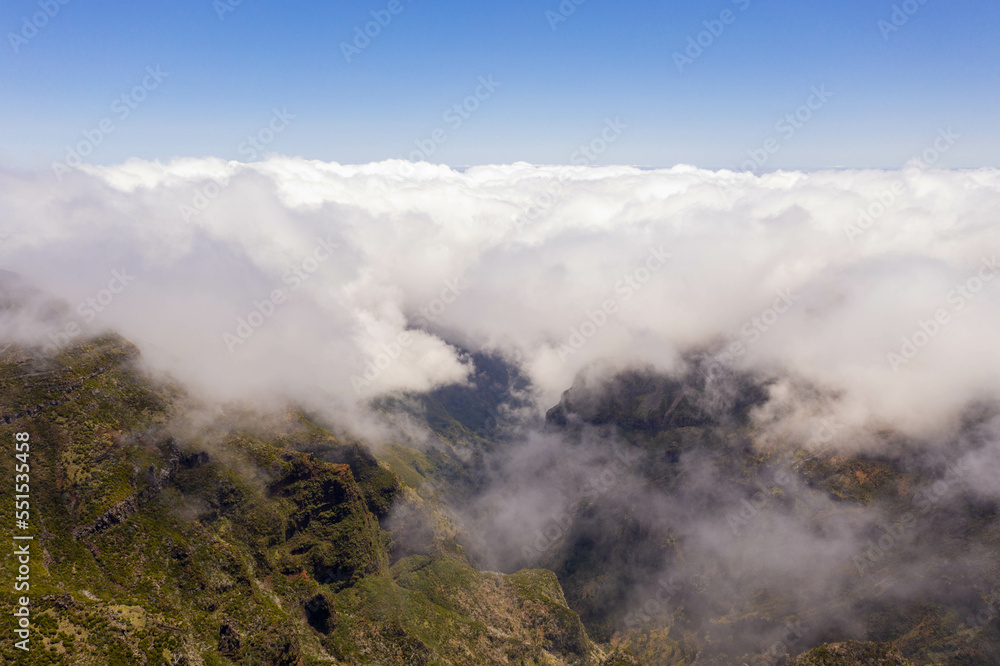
(330, 284)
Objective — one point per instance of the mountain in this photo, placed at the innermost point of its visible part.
(686, 541)
(248, 542)
(715, 550)
(172, 532)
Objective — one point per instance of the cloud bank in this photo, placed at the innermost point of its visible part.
(329, 284)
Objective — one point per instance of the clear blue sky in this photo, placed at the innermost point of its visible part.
(557, 87)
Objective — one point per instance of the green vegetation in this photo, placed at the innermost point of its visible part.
(284, 544)
(246, 548)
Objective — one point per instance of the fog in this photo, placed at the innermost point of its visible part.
(389, 268)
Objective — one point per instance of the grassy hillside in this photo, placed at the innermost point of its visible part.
(280, 543)
(153, 548)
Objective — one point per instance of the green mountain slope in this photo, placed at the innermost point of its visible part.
(246, 548)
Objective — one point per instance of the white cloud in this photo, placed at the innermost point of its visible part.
(404, 231)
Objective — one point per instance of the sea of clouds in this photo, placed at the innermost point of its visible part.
(328, 284)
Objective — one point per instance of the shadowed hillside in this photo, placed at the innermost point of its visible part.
(159, 548)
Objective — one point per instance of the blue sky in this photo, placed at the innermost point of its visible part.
(558, 82)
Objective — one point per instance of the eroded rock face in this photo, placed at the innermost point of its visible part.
(330, 530)
(853, 652)
(246, 548)
(156, 480)
(278, 646)
(321, 614)
(621, 658)
(229, 639)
